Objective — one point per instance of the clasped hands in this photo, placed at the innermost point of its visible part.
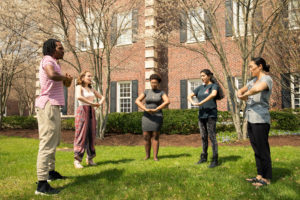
(96, 105)
(68, 80)
(151, 111)
(197, 104)
(242, 96)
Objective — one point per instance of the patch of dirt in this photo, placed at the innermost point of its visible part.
(192, 140)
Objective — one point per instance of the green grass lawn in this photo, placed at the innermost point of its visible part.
(123, 174)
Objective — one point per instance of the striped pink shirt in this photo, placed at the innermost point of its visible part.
(50, 90)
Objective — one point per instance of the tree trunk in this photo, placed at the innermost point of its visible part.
(245, 123)
(1, 119)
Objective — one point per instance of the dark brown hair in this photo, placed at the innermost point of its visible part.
(155, 77)
(80, 77)
(260, 61)
(220, 94)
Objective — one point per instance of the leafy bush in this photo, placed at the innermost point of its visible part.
(20, 122)
(68, 124)
(175, 122)
(284, 120)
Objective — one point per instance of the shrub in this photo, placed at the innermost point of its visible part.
(284, 120)
(68, 124)
(175, 122)
(20, 122)
(180, 121)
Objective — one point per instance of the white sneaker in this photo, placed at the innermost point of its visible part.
(77, 164)
(90, 162)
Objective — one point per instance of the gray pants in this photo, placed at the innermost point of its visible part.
(207, 128)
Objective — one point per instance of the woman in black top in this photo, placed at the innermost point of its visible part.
(155, 101)
(208, 113)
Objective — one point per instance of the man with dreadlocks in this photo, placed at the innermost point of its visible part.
(48, 105)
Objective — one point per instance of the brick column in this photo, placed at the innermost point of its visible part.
(150, 42)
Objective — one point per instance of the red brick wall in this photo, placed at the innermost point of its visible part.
(182, 64)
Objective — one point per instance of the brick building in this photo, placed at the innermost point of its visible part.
(179, 67)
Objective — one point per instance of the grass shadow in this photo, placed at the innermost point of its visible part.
(174, 156)
(110, 174)
(279, 173)
(228, 159)
(114, 161)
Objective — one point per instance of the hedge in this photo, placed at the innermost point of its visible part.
(19, 122)
(175, 122)
(283, 120)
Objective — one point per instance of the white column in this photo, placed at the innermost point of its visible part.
(150, 42)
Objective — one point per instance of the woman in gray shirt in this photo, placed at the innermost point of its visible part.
(257, 94)
(155, 101)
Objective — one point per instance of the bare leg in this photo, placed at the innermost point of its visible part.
(155, 144)
(147, 142)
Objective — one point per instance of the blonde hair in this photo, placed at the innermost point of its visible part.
(80, 81)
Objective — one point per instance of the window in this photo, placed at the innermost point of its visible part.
(295, 90)
(192, 85)
(238, 84)
(124, 23)
(238, 81)
(195, 26)
(294, 14)
(239, 13)
(82, 39)
(81, 35)
(58, 33)
(124, 97)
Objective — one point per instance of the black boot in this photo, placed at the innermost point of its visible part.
(54, 175)
(214, 161)
(43, 188)
(203, 158)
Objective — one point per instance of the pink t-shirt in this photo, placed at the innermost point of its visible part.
(50, 90)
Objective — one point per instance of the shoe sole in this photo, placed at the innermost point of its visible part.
(43, 194)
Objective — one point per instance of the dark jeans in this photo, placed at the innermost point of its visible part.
(207, 128)
(259, 134)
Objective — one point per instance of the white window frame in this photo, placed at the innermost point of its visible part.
(124, 25)
(241, 27)
(195, 25)
(190, 91)
(82, 36)
(294, 14)
(237, 85)
(293, 92)
(58, 33)
(119, 98)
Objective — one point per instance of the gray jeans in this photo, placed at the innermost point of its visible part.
(207, 128)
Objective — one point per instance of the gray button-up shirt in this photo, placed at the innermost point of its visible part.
(257, 110)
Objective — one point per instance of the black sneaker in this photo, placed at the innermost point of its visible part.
(54, 175)
(44, 188)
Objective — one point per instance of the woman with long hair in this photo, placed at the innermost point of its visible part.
(85, 120)
(208, 114)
